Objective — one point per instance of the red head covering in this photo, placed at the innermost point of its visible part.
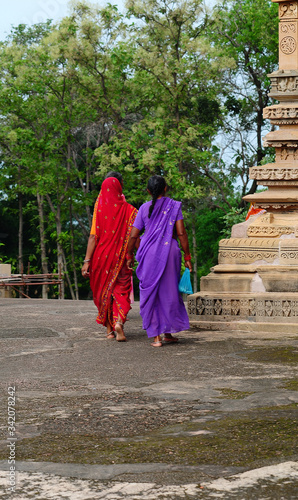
(114, 220)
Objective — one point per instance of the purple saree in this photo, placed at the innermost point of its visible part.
(161, 305)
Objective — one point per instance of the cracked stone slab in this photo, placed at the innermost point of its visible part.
(265, 393)
(108, 472)
(244, 485)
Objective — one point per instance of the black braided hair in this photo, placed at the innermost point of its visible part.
(117, 175)
(156, 185)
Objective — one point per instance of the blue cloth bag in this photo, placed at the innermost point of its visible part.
(185, 283)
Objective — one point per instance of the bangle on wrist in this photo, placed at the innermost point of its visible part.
(129, 256)
(87, 260)
(187, 257)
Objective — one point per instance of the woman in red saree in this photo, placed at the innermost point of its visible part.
(105, 261)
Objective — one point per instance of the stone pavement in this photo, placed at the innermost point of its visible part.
(214, 416)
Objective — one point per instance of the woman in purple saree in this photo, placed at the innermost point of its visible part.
(159, 257)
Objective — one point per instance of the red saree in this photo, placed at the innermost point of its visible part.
(110, 280)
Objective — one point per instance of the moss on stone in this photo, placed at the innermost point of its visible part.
(291, 384)
(287, 354)
(228, 393)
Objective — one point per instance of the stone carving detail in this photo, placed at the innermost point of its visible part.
(280, 112)
(268, 307)
(261, 308)
(244, 307)
(246, 250)
(294, 308)
(283, 154)
(286, 308)
(287, 84)
(191, 305)
(261, 173)
(269, 230)
(288, 10)
(247, 242)
(250, 256)
(288, 27)
(280, 183)
(289, 255)
(208, 307)
(277, 308)
(285, 121)
(200, 306)
(275, 206)
(288, 45)
(276, 144)
(235, 307)
(252, 308)
(217, 307)
(284, 84)
(226, 307)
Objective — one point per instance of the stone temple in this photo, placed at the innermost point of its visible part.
(255, 284)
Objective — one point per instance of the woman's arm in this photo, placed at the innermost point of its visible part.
(132, 243)
(89, 253)
(182, 235)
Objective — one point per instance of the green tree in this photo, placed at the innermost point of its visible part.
(247, 32)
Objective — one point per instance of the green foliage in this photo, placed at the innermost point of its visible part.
(27, 35)
(234, 216)
(208, 234)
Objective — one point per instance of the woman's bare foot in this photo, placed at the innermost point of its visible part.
(110, 332)
(169, 339)
(120, 337)
(157, 341)
(111, 335)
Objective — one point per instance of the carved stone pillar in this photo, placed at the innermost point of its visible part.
(281, 177)
(255, 284)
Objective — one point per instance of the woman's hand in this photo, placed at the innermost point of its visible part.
(85, 270)
(89, 252)
(134, 238)
(181, 233)
(129, 264)
(188, 264)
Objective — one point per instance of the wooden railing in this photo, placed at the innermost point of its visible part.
(19, 281)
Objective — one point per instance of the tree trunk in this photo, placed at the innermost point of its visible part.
(195, 257)
(75, 276)
(43, 250)
(60, 250)
(20, 236)
(20, 243)
(21, 225)
(67, 277)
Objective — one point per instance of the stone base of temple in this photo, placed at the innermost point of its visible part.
(256, 280)
(266, 312)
